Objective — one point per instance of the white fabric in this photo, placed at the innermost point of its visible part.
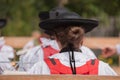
(2, 41)
(45, 42)
(33, 56)
(52, 43)
(5, 64)
(36, 54)
(118, 49)
(88, 52)
(22, 52)
(42, 68)
(7, 51)
(30, 58)
(30, 44)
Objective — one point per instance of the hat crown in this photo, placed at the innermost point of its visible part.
(68, 15)
(55, 12)
(44, 15)
(61, 17)
(62, 13)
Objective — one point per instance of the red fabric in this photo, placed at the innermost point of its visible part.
(93, 69)
(87, 69)
(48, 51)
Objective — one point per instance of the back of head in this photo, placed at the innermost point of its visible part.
(72, 35)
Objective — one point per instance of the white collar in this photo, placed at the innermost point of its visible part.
(80, 58)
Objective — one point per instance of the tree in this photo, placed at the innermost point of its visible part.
(22, 15)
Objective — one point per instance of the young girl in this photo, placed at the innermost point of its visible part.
(48, 46)
(69, 29)
(6, 52)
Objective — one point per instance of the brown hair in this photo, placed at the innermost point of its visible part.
(70, 35)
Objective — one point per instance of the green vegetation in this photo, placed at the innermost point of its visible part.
(22, 15)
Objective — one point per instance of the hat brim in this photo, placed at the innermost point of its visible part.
(2, 23)
(86, 24)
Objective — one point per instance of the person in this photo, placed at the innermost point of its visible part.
(69, 29)
(110, 51)
(5, 64)
(6, 52)
(34, 42)
(35, 54)
(48, 47)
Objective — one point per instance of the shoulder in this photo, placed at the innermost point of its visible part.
(58, 56)
(34, 49)
(88, 52)
(86, 49)
(34, 53)
(105, 69)
(39, 68)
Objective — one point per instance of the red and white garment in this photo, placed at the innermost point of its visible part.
(43, 68)
(48, 48)
(35, 54)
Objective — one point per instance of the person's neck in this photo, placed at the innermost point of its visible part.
(59, 44)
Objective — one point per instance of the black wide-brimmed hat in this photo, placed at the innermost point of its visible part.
(66, 18)
(2, 23)
(45, 15)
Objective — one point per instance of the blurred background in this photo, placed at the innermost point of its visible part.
(22, 17)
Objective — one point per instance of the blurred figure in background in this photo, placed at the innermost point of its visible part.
(35, 53)
(6, 52)
(110, 51)
(5, 64)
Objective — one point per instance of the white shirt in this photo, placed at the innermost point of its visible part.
(81, 59)
(30, 44)
(36, 54)
(5, 64)
(7, 51)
